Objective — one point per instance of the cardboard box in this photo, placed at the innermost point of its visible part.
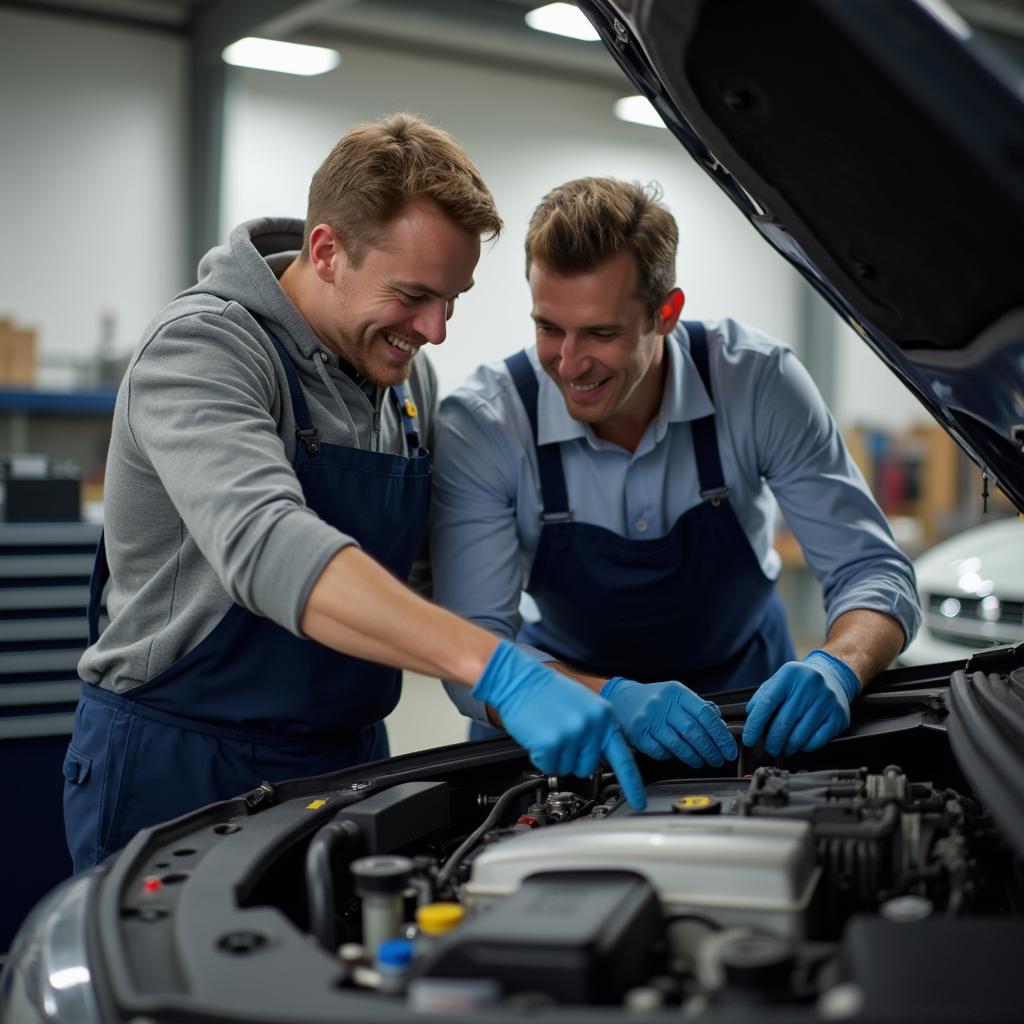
(17, 356)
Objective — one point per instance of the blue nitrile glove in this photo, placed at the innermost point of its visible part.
(664, 720)
(810, 700)
(563, 726)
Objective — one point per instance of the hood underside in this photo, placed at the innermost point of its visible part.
(879, 146)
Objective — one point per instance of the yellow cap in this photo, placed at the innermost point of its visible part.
(438, 918)
(410, 408)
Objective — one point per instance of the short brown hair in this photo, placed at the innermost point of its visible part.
(379, 166)
(584, 222)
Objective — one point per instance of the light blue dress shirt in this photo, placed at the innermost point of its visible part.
(776, 438)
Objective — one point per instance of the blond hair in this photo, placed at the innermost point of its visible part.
(377, 167)
(584, 222)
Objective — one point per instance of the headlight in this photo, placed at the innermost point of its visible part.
(47, 977)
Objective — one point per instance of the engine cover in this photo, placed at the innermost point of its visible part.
(732, 871)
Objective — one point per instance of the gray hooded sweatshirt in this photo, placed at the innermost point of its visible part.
(202, 507)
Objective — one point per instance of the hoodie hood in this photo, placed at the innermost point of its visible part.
(246, 271)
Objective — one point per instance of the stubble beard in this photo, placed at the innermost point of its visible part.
(358, 357)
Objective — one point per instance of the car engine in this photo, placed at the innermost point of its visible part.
(878, 879)
(775, 889)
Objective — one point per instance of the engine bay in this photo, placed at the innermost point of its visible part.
(723, 892)
(877, 879)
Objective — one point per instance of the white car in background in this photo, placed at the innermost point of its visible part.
(972, 593)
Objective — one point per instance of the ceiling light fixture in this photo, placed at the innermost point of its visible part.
(288, 58)
(562, 20)
(638, 110)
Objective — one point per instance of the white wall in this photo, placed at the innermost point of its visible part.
(527, 133)
(91, 189)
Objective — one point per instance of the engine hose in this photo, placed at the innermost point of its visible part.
(878, 829)
(798, 785)
(320, 877)
(823, 794)
(445, 875)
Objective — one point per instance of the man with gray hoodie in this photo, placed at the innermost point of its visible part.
(266, 495)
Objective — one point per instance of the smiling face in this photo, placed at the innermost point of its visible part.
(600, 345)
(378, 315)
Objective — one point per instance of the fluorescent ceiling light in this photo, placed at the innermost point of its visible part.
(288, 58)
(562, 20)
(638, 110)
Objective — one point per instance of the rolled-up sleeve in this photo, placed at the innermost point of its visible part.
(826, 503)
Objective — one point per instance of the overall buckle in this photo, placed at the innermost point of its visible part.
(716, 495)
(556, 517)
(310, 437)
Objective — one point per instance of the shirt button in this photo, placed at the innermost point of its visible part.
(641, 525)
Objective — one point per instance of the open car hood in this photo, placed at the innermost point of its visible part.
(879, 147)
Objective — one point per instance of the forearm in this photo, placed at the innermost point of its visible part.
(595, 683)
(359, 608)
(867, 641)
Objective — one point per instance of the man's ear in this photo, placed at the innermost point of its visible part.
(668, 312)
(325, 250)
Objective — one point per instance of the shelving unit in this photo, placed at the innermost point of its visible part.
(44, 587)
(923, 482)
(916, 473)
(71, 426)
(44, 580)
(925, 485)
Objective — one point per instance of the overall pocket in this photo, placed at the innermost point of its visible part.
(93, 771)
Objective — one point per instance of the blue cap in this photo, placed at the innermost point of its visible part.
(394, 953)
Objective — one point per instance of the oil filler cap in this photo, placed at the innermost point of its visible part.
(697, 804)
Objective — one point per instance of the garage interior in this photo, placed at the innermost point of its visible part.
(133, 146)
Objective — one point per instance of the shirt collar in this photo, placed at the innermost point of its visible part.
(685, 399)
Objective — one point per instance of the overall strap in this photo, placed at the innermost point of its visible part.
(304, 429)
(97, 581)
(554, 496)
(407, 410)
(705, 440)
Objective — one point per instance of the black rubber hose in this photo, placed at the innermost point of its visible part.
(488, 823)
(320, 877)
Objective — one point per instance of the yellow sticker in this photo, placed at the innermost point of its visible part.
(694, 801)
(410, 408)
(315, 805)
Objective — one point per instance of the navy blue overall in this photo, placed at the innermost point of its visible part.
(692, 605)
(252, 701)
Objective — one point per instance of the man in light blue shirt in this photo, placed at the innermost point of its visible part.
(621, 472)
